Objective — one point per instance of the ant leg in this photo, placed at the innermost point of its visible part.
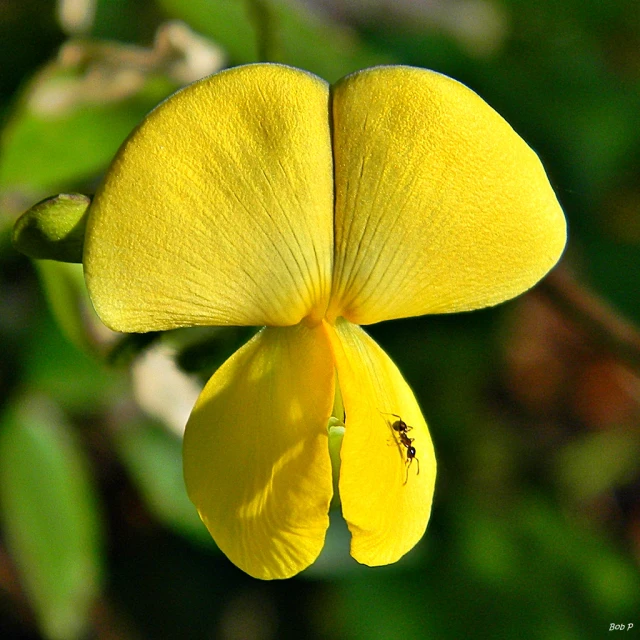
(408, 464)
(386, 413)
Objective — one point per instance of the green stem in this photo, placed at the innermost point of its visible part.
(262, 14)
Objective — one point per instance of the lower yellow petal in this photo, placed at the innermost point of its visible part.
(386, 497)
(256, 456)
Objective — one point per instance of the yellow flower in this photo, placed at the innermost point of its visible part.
(263, 196)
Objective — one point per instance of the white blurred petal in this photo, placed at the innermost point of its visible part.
(162, 390)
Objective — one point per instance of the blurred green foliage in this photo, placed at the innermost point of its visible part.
(51, 517)
(536, 524)
(42, 151)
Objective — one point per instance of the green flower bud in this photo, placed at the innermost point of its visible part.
(54, 228)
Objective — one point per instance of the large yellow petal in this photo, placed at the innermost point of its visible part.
(386, 499)
(256, 453)
(218, 208)
(440, 205)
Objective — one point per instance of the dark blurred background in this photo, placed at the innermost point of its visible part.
(534, 406)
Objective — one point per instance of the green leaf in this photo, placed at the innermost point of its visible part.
(154, 459)
(53, 229)
(57, 369)
(42, 151)
(50, 518)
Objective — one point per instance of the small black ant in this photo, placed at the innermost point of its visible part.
(401, 427)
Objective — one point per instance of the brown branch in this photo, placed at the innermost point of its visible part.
(590, 312)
